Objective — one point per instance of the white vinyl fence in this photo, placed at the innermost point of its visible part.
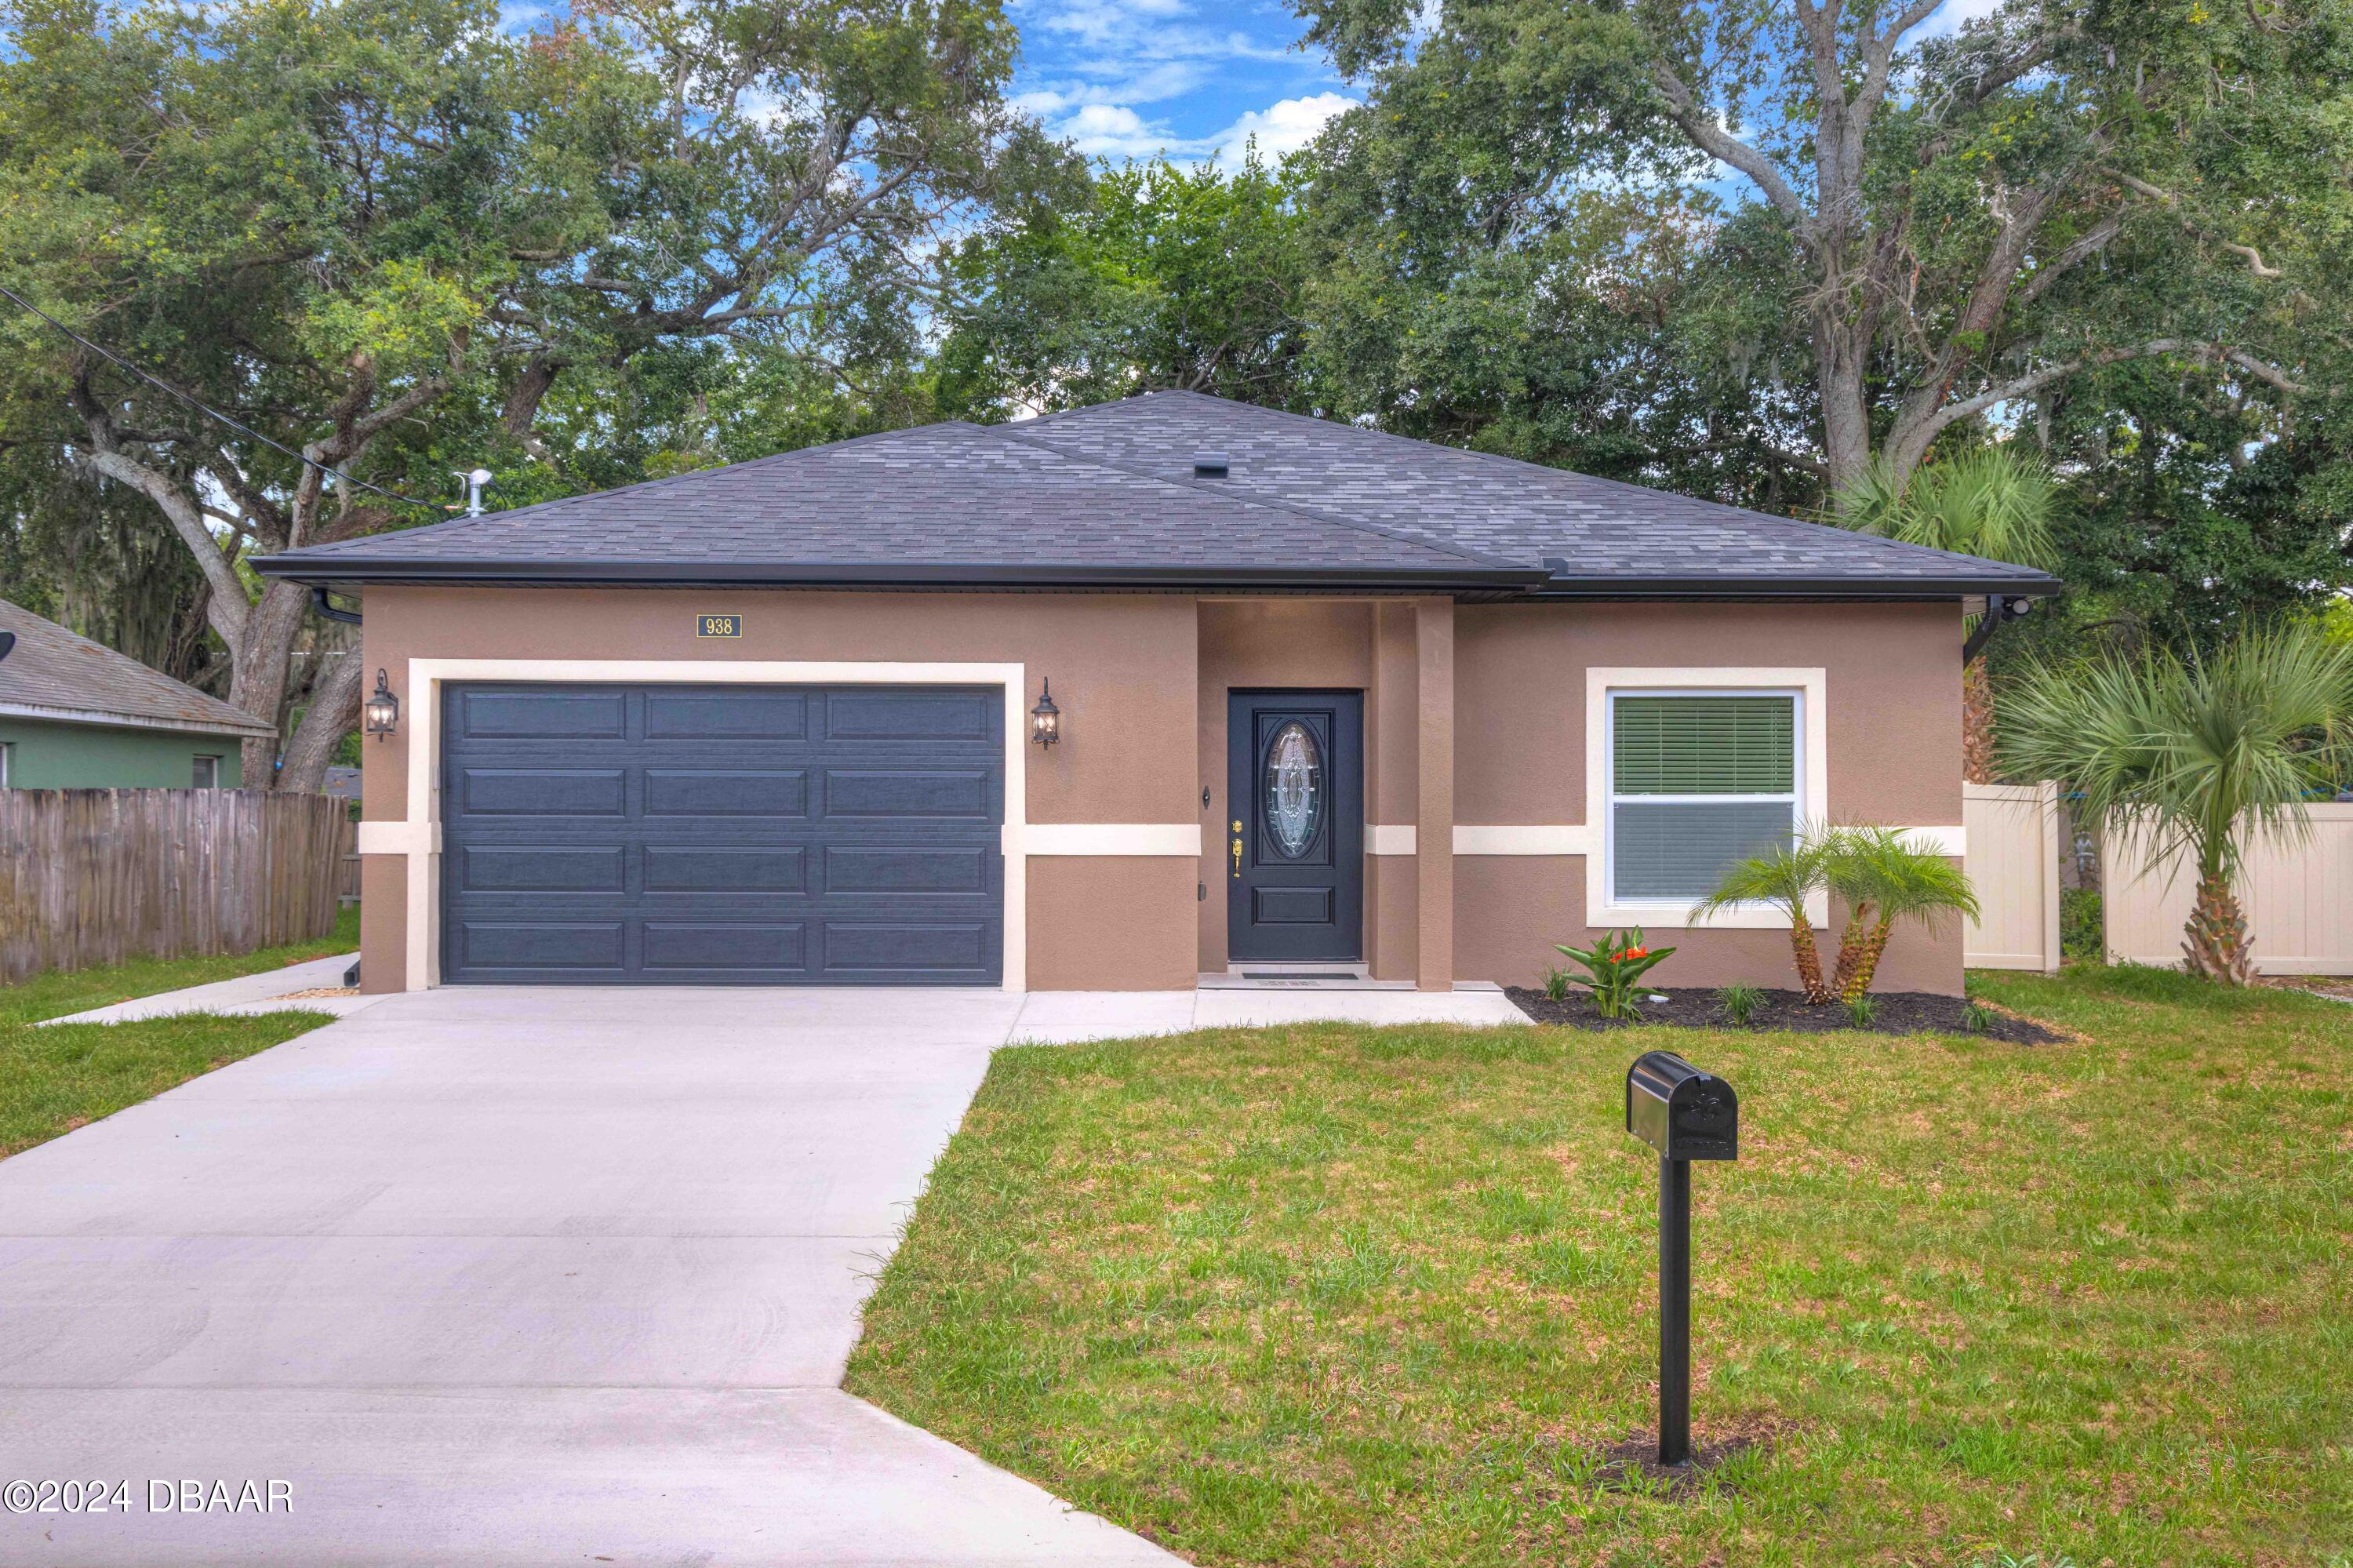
(2012, 857)
(2297, 895)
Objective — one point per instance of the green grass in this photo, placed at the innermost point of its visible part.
(55, 1079)
(1336, 1295)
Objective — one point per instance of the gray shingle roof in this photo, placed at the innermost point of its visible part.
(1107, 495)
(52, 674)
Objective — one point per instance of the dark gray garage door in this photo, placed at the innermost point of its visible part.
(753, 835)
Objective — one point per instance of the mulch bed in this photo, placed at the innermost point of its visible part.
(1898, 1013)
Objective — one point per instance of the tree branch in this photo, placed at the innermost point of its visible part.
(2018, 387)
(1719, 144)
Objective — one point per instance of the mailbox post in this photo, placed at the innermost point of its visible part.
(1685, 1115)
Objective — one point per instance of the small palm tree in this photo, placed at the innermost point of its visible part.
(1885, 880)
(1784, 876)
(1992, 503)
(2194, 754)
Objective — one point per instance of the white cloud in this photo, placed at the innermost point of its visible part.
(1280, 128)
(1117, 132)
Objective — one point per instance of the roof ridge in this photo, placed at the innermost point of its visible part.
(1471, 456)
(1395, 535)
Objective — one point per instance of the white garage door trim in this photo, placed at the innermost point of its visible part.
(420, 833)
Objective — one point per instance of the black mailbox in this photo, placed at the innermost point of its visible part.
(1680, 1111)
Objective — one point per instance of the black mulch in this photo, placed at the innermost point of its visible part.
(1897, 1012)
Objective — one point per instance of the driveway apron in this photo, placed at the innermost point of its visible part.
(528, 1275)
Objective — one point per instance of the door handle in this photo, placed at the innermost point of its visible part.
(1238, 857)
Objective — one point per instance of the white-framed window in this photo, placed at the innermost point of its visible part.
(1697, 780)
(206, 774)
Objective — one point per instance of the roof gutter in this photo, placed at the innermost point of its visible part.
(320, 570)
(1877, 589)
(100, 718)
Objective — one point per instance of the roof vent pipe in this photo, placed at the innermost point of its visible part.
(1209, 465)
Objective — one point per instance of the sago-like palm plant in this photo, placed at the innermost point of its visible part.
(1784, 875)
(1885, 880)
(2193, 756)
(1991, 503)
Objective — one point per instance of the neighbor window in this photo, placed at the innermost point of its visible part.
(1697, 781)
(207, 773)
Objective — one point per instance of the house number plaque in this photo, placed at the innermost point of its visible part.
(719, 626)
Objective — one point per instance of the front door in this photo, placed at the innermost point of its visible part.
(1296, 827)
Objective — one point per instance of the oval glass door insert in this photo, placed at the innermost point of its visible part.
(1294, 789)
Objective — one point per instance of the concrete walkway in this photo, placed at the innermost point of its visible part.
(262, 992)
(518, 1276)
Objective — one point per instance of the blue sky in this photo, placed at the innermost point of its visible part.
(1195, 78)
(1130, 78)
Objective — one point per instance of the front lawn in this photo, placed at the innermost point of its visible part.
(1337, 1295)
(55, 1079)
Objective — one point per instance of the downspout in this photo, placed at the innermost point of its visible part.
(320, 602)
(1999, 607)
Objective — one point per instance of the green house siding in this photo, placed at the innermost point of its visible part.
(97, 756)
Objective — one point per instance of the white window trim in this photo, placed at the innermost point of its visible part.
(420, 834)
(1809, 684)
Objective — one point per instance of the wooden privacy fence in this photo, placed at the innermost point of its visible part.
(96, 876)
(2013, 858)
(2297, 894)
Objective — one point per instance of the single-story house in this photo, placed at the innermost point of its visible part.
(76, 715)
(1321, 699)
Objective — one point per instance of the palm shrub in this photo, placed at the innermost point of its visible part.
(1784, 875)
(2193, 757)
(1885, 880)
(1991, 502)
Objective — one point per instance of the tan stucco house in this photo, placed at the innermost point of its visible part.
(1325, 701)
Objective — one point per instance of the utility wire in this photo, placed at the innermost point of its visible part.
(247, 431)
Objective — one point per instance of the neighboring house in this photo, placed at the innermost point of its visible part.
(1328, 699)
(76, 715)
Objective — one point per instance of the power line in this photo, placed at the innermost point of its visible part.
(207, 409)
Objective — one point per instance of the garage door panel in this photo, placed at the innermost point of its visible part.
(950, 947)
(907, 868)
(726, 716)
(539, 945)
(539, 868)
(733, 868)
(770, 947)
(541, 792)
(726, 792)
(547, 713)
(931, 717)
(756, 835)
(962, 795)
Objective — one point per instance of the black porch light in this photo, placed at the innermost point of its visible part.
(383, 709)
(1045, 719)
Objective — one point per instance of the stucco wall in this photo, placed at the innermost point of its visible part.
(1122, 922)
(1143, 682)
(95, 756)
(1893, 712)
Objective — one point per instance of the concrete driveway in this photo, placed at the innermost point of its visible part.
(503, 1276)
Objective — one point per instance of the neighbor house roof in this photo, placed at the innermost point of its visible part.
(1108, 496)
(53, 675)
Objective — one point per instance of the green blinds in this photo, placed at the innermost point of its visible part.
(1706, 745)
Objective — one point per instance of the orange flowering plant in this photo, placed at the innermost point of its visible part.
(1615, 965)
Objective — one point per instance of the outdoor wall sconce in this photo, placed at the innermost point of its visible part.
(1045, 719)
(383, 709)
